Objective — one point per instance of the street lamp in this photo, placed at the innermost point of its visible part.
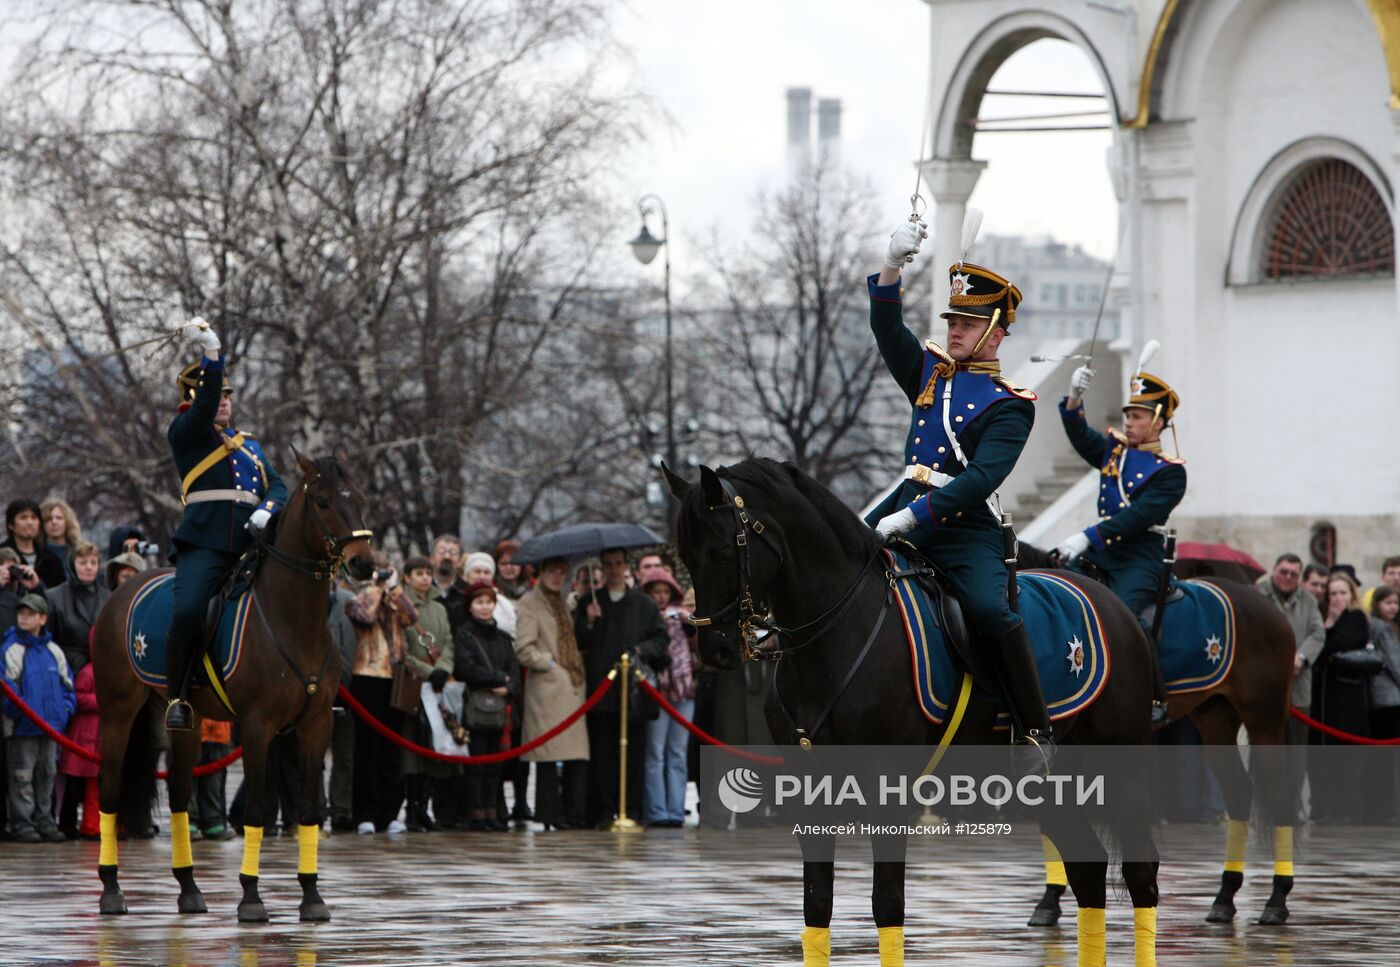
(645, 246)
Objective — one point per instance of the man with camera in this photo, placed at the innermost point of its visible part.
(230, 493)
(22, 522)
(16, 580)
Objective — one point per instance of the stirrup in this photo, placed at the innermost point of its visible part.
(179, 716)
(1160, 715)
(1033, 753)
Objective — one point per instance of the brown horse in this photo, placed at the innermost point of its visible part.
(287, 676)
(1254, 694)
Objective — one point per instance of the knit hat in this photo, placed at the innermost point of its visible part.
(134, 561)
(478, 589)
(479, 559)
(34, 602)
(654, 574)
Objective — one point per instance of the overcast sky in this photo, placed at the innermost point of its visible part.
(720, 69)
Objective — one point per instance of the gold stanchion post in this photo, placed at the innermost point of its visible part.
(623, 824)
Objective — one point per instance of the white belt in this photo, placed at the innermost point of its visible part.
(927, 475)
(237, 496)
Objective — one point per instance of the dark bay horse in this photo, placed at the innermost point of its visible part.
(763, 538)
(287, 676)
(1254, 694)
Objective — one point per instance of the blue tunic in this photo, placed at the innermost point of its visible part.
(991, 420)
(1138, 490)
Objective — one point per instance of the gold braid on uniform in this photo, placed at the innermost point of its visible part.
(947, 368)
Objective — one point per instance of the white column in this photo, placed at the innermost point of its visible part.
(950, 182)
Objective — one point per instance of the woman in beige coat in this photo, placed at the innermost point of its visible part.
(545, 644)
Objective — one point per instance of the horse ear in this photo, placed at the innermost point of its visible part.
(711, 487)
(306, 464)
(677, 485)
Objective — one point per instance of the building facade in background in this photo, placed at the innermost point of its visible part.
(1256, 153)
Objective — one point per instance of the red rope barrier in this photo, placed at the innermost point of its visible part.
(80, 752)
(1336, 733)
(476, 760)
(701, 734)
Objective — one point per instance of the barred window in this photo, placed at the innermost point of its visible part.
(1329, 220)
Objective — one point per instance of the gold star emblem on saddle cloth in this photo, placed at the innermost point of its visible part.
(1075, 657)
(1214, 651)
(139, 645)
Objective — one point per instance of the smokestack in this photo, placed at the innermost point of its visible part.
(828, 128)
(799, 127)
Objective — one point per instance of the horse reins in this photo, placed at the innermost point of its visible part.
(753, 612)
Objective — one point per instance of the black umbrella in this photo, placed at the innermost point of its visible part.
(584, 540)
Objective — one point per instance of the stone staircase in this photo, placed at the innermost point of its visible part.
(1048, 488)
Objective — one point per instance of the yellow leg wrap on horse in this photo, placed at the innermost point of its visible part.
(107, 851)
(180, 855)
(1054, 864)
(1236, 835)
(1145, 936)
(1093, 937)
(252, 850)
(308, 838)
(1283, 851)
(891, 946)
(816, 946)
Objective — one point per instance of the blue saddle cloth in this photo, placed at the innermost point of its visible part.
(148, 620)
(1065, 633)
(1197, 641)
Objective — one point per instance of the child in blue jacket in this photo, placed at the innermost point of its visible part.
(34, 667)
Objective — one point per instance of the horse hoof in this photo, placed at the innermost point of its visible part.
(253, 912)
(315, 913)
(192, 903)
(1044, 917)
(1273, 916)
(112, 903)
(1221, 913)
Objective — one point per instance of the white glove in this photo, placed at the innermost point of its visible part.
(904, 243)
(203, 335)
(1079, 382)
(258, 522)
(900, 522)
(1071, 547)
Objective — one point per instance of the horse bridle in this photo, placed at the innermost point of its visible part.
(750, 610)
(321, 568)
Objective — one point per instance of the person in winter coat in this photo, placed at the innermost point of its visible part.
(1385, 702)
(26, 537)
(80, 774)
(73, 605)
(341, 792)
(668, 743)
(15, 585)
(427, 648)
(608, 622)
(1340, 699)
(485, 659)
(547, 648)
(61, 531)
(34, 667)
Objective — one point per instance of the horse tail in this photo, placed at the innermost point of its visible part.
(139, 773)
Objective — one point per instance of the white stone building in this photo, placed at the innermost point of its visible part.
(1256, 152)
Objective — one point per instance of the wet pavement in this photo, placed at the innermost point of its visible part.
(659, 897)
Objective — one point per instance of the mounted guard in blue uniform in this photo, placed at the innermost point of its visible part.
(230, 492)
(1139, 487)
(969, 426)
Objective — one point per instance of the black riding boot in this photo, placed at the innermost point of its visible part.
(1035, 743)
(179, 670)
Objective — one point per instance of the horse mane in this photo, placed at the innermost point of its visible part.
(781, 479)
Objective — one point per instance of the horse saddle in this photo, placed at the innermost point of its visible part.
(147, 621)
(1196, 644)
(1064, 629)
(1175, 593)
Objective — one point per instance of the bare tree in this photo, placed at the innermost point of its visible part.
(797, 358)
(351, 191)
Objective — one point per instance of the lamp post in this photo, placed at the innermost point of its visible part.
(645, 246)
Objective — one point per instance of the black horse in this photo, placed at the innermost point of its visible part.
(764, 542)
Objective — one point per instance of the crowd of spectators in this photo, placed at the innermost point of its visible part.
(527, 645)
